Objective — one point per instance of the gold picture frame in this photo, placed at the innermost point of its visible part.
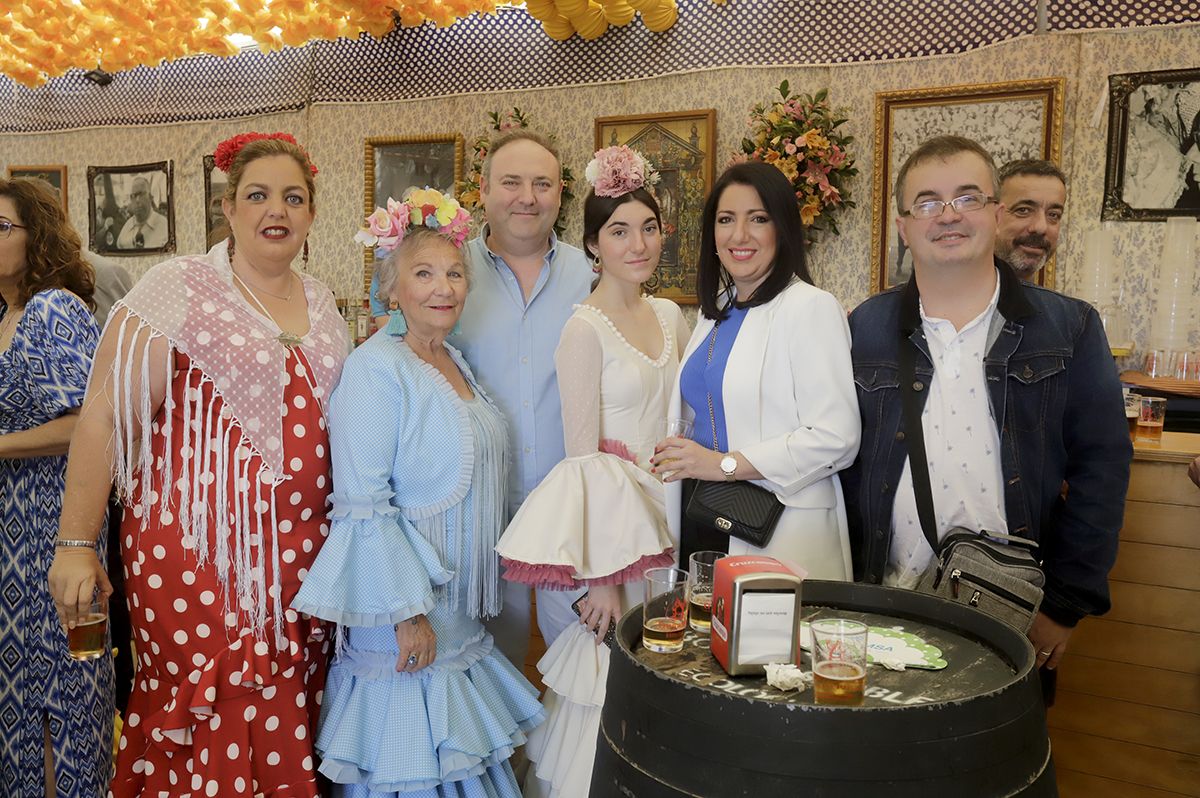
(681, 145)
(54, 174)
(393, 164)
(1014, 119)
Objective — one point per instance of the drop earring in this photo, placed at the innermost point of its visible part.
(396, 324)
(304, 255)
(596, 267)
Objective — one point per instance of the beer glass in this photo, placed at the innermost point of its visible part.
(665, 611)
(839, 657)
(701, 566)
(1151, 416)
(85, 640)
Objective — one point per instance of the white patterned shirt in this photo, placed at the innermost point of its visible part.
(962, 444)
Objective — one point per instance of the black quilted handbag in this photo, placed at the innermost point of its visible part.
(740, 509)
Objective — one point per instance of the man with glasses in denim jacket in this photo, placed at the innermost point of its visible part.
(1019, 394)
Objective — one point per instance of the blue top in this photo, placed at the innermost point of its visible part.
(510, 345)
(699, 377)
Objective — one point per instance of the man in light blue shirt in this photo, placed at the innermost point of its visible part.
(524, 284)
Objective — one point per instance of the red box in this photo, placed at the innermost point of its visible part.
(755, 614)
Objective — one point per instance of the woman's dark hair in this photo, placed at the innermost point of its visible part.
(597, 210)
(779, 201)
(53, 257)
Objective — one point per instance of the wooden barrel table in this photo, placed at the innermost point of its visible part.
(677, 725)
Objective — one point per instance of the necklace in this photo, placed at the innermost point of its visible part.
(286, 338)
(257, 290)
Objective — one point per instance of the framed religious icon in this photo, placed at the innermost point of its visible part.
(131, 209)
(216, 226)
(1153, 170)
(681, 147)
(1017, 119)
(394, 164)
(55, 175)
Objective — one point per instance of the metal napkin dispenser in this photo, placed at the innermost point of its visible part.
(755, 614)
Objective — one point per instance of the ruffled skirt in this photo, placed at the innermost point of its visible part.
(446, 730)
(595, 519)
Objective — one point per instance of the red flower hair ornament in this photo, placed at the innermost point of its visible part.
(228, 149)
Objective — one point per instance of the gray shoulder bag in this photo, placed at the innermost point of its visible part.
(994, 572)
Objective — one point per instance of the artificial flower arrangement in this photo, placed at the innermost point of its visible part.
(468, 187)
(385, 228)
(798, 134)
(618, 170)
(228, 149)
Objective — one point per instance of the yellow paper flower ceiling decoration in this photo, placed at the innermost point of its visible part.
(42, 39)
(561, 19)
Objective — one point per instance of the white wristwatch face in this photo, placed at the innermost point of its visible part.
(728, 465)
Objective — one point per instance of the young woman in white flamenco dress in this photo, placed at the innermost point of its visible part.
(597, 519)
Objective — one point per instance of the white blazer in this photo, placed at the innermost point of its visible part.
(791, 410)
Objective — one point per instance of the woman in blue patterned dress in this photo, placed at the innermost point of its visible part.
(56, 714)
(418, 702)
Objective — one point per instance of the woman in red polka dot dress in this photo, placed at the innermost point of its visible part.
(230, 357)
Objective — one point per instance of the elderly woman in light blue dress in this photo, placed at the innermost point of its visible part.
(418, 702)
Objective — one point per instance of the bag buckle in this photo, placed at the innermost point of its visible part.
(723, 523)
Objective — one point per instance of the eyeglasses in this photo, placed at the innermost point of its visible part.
(6, 227)
(931, 209)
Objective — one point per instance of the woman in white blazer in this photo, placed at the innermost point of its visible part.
(766, 376)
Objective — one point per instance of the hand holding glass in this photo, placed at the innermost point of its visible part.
(672, 428)
(85, 640)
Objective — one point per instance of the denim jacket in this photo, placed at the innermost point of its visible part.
(1053, 387)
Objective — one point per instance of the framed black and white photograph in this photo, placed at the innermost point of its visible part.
(1015, 119)
(131, 209)
(394, 164)
(216, 226)
(1153, 170)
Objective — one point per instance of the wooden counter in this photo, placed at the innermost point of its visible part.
(1127, 718)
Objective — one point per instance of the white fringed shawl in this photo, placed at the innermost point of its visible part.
(192, 303)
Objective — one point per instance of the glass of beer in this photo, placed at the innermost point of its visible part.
(1151, 415)
(700, 589)
(839, 656)
(85, 640)
(672, 428)
(665, 612)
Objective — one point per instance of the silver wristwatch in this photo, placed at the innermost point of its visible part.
(729, 467)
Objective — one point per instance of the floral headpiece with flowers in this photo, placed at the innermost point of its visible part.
(228, 149)
(386, 227)
(615, 171)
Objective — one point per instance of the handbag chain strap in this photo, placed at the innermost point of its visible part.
(712, 416)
